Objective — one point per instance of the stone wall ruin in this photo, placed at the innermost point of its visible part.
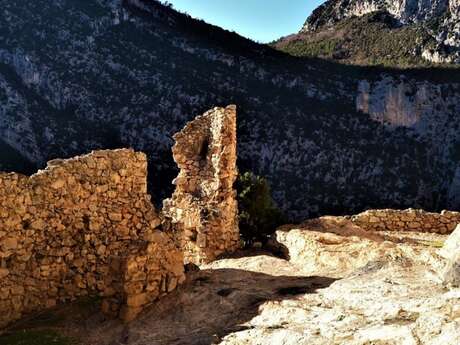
(83, 226)
(407, 220)
(203, 210)
(86, 226)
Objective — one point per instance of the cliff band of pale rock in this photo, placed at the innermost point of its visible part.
(399, 102)
(203, 210)
(406, 11)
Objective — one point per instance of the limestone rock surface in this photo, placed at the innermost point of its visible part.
(338, 284)
(451, 252)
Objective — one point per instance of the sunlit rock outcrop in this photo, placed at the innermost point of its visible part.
(451, 252)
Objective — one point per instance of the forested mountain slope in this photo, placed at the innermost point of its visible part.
(391, 32)
(80, 75)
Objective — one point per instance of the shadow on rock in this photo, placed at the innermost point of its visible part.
(212, 304)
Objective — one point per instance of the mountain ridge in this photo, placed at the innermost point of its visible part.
(405, 12)
(80, 87)
(414, 32)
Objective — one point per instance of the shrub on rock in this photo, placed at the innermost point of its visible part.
(259, 216)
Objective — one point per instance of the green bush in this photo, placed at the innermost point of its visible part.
(259, 216)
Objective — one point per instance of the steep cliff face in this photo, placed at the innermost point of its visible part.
(405, 11)
(106, 74)
(435, 22)
(399, 102)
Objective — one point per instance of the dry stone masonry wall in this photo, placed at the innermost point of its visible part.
(83, 226)
(86, 226)
(408, 220)
(203, 210)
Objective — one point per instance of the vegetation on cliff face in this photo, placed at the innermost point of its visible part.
(415, 30)
(373, 39)
(259, 216)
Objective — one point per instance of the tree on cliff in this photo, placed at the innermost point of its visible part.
(259, 216)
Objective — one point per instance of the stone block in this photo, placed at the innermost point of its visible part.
(116, 217)
(128, 313)
(9, 244)
(4, 273)
(137, 300)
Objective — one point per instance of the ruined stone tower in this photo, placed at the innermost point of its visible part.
(203, 211)
(86, 226)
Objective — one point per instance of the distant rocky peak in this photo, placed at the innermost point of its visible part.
(437, 20)
(406, 11)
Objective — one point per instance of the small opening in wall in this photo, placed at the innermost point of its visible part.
(26, 224)
(205, 214)
(194, 235)
(39, 256)
(9, 262)
(86, 222)
(204, 149)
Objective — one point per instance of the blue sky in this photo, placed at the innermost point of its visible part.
(261, 20)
